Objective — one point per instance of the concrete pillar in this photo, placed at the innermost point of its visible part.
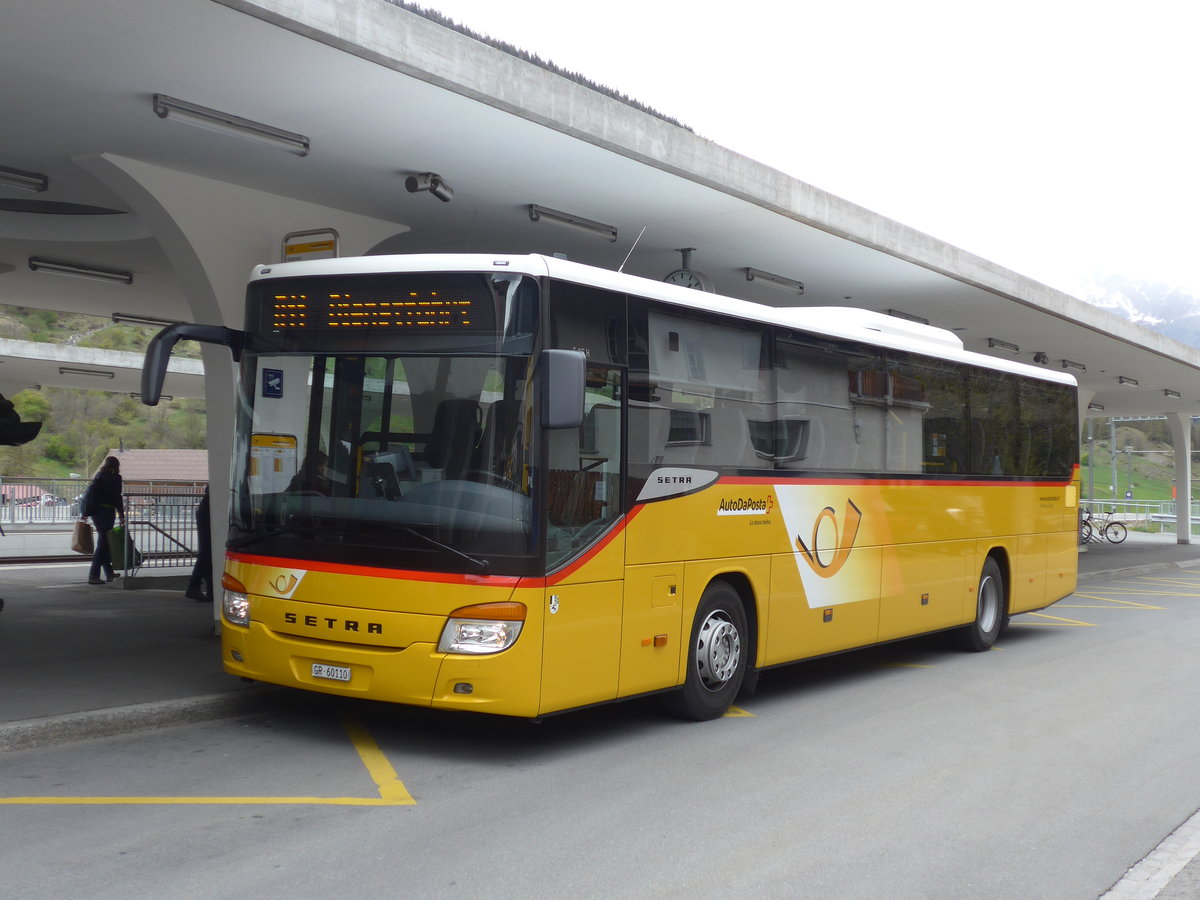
(213, 233)
(1181, 438)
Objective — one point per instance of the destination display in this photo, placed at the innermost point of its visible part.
(346, 311)
(340, 313)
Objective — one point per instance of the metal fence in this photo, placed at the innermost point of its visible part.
(1156, 516)
(160, 515)
(162, 523)
(40, 501)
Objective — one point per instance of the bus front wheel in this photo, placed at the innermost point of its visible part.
(990, 614)
(717, 655)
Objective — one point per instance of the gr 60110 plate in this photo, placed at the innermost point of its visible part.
(333, 673)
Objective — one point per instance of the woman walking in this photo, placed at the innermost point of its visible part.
(105, 504)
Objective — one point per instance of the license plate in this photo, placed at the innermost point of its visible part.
(333, 673)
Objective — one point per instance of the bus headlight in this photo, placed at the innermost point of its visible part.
(235, 601)
(482, 628)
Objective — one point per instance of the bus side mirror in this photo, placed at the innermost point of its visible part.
(563, 375)
(158, 352)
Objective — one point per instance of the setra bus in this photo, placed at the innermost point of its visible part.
(521, 485)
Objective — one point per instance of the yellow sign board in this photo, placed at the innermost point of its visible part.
(321, 243)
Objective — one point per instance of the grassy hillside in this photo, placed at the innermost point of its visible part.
(79, 426)
(47, 326)
(1149, 457)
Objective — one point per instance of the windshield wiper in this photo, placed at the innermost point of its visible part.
(482, 564)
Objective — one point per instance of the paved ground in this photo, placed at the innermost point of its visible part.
(80, 661)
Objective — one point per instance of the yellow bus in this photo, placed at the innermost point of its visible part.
(521, 485)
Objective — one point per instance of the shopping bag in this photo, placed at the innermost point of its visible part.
(120, 547)
(81, 538)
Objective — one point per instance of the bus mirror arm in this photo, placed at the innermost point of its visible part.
(158, 352)
(563, 376)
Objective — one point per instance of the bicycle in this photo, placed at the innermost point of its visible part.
(1092, 530)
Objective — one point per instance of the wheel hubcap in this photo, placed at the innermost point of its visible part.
(989, 605)
(718, 650)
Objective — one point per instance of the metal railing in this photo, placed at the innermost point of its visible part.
(40, 501)
(162, 524)
(1157, 516)
(36, 514)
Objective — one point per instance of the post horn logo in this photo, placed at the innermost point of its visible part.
(284, 584)
(845, 540)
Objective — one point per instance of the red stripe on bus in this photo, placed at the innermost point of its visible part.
(587, 557)
(374, 572)
(775, 481)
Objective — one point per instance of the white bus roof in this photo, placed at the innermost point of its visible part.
(844, 323)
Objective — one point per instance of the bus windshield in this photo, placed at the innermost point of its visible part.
(418, 459)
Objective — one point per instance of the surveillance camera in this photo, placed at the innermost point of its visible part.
(432, 182)
(416, 183)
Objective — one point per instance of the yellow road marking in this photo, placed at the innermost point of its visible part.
(736, 712)
(1055, 620)
(1146, 593)
(1173, 581)
(1097, 606)
(392, 791)
(389, 783)
(1127, 604)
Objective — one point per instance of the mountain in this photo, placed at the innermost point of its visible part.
(1164, 308)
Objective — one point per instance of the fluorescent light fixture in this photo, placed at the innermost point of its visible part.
(1071, 364)
(793, 284)
(79, 270)
(432, 182)
(215, 120)
(537, 213)
(26, 181)
(1003, 345)
(97, 373)
(1125, 379)
(1167, 392)
(135, 319)
(1099, 407)
(900, 314)
(137, 396)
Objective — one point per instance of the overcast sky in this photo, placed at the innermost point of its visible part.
(1057, 138)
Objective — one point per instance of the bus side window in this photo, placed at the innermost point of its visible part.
(813, 424)
(992, 404)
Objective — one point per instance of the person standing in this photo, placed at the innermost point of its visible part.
(202, 574)
(105, 504)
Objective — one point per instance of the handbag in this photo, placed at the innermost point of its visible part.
(82, 540)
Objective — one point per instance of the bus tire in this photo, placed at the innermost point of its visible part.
(717, 654)
(990, 612)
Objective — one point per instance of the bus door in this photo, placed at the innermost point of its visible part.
(583, 603)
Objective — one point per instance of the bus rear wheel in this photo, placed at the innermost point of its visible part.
(990, 615)
(717, 654)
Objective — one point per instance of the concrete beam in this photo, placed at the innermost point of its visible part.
(1181, 438)
(213, 234)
